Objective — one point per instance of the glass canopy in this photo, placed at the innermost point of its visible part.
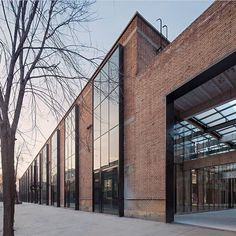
(212, 131)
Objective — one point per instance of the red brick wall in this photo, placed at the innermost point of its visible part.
(85, 149)
(207, 40)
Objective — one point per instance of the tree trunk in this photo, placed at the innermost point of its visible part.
(8, 175)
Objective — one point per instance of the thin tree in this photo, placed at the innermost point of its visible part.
(41, 61)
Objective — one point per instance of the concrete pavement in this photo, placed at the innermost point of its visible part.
(32, 220)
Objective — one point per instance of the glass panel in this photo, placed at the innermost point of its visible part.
(231, 117)
(114, 70)
(96, 192)
(97, 90)
(96, 122)
(70, 159)
(106, 132)
(114, 108)
(110, 191)
(96, 158)
(44, 176)
(104, 116)
(54, 169)
(104, 150)
(211, 118)
(104, 82)
(114, 144)
(228, 111)
(194, 191)
(204, 114)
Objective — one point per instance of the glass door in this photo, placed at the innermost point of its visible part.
(110, 191)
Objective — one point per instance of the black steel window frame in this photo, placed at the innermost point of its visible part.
(77, 195)
(58, 168)
(208, 74)
(57, 133)
(76, 123)
(121, 138)
(47, 175)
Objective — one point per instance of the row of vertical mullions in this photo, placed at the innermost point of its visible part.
(120, 167)
(70, 134)
(33, 178)
(212, 195)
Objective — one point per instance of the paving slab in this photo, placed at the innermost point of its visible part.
(225, 219)
(39, 220)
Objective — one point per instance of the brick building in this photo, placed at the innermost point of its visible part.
(153, 133)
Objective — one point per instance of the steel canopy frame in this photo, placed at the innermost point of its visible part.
(208, 74)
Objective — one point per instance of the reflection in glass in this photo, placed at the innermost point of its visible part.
(96, 189)
(106, 137)
(110, 191)
(96, 90)
(104, 116)
(96, 123)
(96, 158)
(70, 159)
(114, 145)
(44, 176)
(104, 82)
(114, 107)
(104, 150)
(209, 188)
(54, 154)
(114, 70)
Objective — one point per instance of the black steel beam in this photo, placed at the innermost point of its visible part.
(58, 168)
(47, 174)
(121, 134)
(169, 178)
(40, 178)
(77, 195)
(208, 74)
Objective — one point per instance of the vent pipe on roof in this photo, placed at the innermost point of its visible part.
(166, 27)
(160, 48)
(159, 19)
(162, 27)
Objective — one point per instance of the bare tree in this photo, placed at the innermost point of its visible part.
(41, 58)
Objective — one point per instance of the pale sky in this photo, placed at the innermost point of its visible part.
(112, 18)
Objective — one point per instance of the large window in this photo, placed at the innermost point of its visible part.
(106, 114)
(38, 174)
(54, 169)
(44, 177)
(106, 102)
(70, 159)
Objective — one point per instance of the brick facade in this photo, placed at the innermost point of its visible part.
(149, 76)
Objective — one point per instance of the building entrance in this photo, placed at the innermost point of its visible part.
(204, 135)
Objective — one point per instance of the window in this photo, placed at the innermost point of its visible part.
(106, 93)
(70, 159)
(44, 177)
(106, 113)
(54, 169)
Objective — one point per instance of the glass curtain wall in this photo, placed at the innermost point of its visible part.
(202, 185)
(54, 169)
(35, 181)
(30, 182)
(70, 160)
(44, 177)
(38, 159)
(106, 94)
